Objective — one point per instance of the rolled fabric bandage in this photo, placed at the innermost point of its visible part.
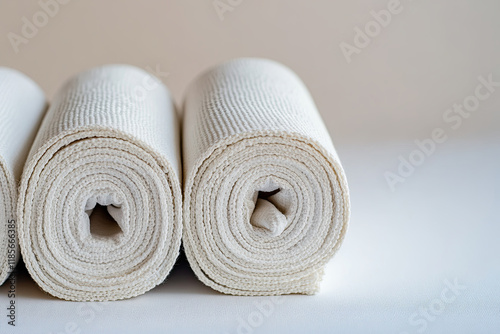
(22, 105)
(266, 202)
(109, 141)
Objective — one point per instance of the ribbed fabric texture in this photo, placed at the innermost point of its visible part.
(266, 201)
(110, 139)
(22, 104)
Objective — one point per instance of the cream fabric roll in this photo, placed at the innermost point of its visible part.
(22, 105)
(266, 202)
(109, 140)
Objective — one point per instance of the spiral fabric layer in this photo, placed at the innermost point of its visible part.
(22, 105)
(266, 201)
(100, 198)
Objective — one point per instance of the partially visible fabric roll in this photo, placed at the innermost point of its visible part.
(100, 199)
(22, 105)
(266, 201)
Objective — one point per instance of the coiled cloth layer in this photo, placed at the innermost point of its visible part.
(100, 199)
(266, 202)
(22, 105)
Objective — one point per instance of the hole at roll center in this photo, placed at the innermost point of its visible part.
(267, 194)
(102, 223)
(269, 212)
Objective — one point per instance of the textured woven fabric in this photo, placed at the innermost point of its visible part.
(109, 141)
(266, 202)
(22, 104)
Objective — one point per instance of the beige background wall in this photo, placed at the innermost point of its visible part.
(398, 87)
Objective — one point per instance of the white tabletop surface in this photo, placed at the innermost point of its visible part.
(403, 251)
(439, 227)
